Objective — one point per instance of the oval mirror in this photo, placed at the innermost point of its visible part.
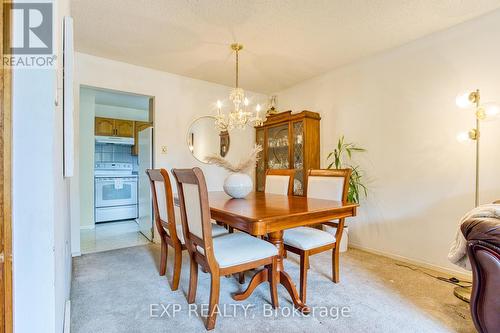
(204, 139)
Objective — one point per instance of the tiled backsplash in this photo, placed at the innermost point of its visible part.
(109, 152)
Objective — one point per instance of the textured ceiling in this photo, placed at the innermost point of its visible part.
(285, 41)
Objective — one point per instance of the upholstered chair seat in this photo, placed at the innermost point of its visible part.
(240, 248)
(218, 230)
(305, 238)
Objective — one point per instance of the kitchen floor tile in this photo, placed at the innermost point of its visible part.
(110, 236)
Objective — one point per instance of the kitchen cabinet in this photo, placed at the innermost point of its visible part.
(114, 127)
(289, 141)
(104, 126)
(124, 128)
(139, 126)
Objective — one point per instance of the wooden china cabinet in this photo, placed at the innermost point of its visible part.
(289, 141)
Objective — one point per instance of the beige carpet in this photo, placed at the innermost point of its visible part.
(121, 291)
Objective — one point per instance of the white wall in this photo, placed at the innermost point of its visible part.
(400, 106)
(118, 112)
(178, 101)
(33, 228)
(62, 222)
(41, 228)
(86, 157)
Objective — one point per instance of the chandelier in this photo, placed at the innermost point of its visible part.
(240, 115)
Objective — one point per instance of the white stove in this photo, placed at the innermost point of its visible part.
(115, 192)
(113, 170)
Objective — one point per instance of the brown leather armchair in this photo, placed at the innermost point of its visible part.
(483, 249)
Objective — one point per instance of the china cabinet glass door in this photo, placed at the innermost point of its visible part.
(278, 147)
(290, 141)
(298, 157)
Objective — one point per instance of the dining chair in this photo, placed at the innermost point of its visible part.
(164, 215)
(223, 255)
(307, 241)
(279, 181)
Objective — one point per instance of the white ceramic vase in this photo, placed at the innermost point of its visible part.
(238, 185)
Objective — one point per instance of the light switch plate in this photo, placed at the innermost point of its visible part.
(163, 149)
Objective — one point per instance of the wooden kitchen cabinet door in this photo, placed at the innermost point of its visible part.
(124, 128)
(104, 126)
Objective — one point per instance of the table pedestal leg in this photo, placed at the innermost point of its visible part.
(259, 277)
(262, 276)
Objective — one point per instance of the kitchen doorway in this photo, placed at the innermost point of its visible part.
(116, 147)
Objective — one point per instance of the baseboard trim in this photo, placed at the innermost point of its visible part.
(446, 271)
(76, 254)
(67, 317)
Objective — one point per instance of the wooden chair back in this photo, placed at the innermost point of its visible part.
(195, 213)
(163, 203)
(328, 184)
(279, 181)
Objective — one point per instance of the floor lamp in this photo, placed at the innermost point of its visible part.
(482, 112)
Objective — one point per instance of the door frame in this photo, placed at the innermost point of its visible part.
(75, 221)
(6, 318)
(152, 121)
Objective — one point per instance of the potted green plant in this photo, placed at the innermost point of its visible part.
(342, 158)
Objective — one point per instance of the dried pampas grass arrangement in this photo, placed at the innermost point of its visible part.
(242, 167)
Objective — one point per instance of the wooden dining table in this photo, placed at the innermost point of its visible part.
(264, 214)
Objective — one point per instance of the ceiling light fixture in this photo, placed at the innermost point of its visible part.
(239, 116)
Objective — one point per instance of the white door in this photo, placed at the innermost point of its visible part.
(145, 199)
